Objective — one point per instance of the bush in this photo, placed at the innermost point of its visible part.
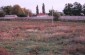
(22, 15)
(2, 13)
(56, 16)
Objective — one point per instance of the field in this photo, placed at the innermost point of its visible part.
(42, 38)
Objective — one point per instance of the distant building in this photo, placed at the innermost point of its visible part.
(42, 15)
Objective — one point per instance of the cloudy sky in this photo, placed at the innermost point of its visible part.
(31, 4)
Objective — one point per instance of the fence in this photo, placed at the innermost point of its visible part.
(73, 18)
(27, 18)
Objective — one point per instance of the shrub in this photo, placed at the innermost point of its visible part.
(22, 15)
(55, 14)
(2, 13)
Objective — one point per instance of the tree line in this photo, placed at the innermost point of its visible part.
(75, 9)
(43, 9)
(15, 10)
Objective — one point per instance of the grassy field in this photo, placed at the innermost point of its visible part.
(42, 38)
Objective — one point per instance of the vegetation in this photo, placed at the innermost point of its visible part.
(43, 8)
(2, 13)
(73, 9)
(55, 14)
(16, 10)
(7, 10)
(37, 38)
(37, 10)
(83, 9)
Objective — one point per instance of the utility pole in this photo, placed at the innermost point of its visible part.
(52, 16)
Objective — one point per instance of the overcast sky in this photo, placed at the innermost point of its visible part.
(31, 4)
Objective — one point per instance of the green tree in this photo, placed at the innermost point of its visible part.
(2, 13)
(83, 9)
(68, 9)
(37, 10)
(7, 10)
(77, 9)
(43, 8)
(55, 14)
(73, 9)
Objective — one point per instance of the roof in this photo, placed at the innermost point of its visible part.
(41, 14)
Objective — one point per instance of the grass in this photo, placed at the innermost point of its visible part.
(42, 38)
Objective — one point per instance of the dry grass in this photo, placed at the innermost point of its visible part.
(43, 38)
(3, 51)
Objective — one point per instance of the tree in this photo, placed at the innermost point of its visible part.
(21, 12)
(30, 13)
(17, 9)
(7, 10)
(77, 9)
(83, 9)
(68, 9)
(55, 14)
(73, 9)
(43, 8)
(37, 10)
(2, 13)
